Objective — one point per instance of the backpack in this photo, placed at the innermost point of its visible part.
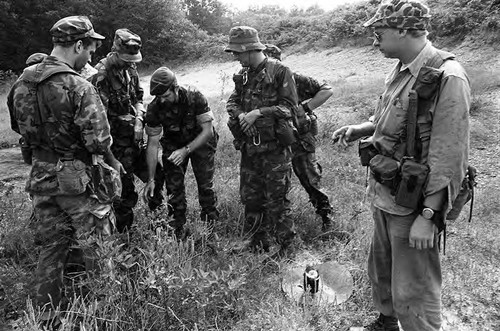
(27, 113)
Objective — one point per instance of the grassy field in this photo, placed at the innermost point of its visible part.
(159, 284)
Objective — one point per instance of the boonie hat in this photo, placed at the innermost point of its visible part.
(73, 28)
(35, 58)
(273, 51)
(401, 14)
(242, 39)
(161, 80)
(128, 45)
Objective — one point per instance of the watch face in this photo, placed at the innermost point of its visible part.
(427, 213)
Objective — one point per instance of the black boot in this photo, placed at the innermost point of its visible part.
(383, 323)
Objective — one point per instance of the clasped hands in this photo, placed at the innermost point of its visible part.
(247, 121)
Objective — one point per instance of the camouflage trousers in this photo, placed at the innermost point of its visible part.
(308, 171)
(133, 160)
(61, 224)
(203, 165)
(264, 186)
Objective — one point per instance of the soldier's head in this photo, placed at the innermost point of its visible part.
(273, 51)
(35, 58)
(127, 46)
(398, 25)
(164, 85)
(245, 45)
(75, 40)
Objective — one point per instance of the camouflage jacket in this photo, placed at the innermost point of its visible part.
(308, 87)
(120, 91)
(275, 96)
(70, 120)
(269, 87)
(181, 121)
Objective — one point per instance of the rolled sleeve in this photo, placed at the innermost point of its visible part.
(205, 117)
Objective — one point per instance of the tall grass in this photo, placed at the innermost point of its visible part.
(156, 283)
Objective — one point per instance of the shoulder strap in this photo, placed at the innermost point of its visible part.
(432, 77)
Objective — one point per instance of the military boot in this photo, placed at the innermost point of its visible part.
(383, 323)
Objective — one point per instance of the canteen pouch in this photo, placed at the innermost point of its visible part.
(413, 178)
(385, 170)
(366, 152)
(71, 176)
(107, 184)
(285, 132)
(465, 195)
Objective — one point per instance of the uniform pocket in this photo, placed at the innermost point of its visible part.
(72, 177)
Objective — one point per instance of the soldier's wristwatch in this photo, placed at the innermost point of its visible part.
(428, 213)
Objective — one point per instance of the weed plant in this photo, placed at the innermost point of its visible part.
(150, 281)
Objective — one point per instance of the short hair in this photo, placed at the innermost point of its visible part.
(417, 33)
(87, 41)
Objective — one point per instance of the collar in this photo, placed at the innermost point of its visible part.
(260, 66)
(420, 61)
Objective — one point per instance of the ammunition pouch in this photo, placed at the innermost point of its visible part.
(265, 127)
(385, 170)
(123, 129)
(366, 152)
(313, 127)
(413, 179)
(303, 124)
(284, 132)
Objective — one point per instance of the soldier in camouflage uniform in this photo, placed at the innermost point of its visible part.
(117, 81)
(261, 109)
(63, 121)
(311, 95)
(183, 114)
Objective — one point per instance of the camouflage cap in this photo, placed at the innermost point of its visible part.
(128, 45)
(242, 39)
(401, 14)
(161, 80)
(273, 51)
(35, 58)
(73, 28)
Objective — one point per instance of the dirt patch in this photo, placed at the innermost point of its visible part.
(12, 167)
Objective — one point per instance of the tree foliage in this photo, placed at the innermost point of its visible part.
(189, 29)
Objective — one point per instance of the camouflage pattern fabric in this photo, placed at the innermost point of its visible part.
(273, 51)
(47, 130)
(120, 90)
(304, 162)
(180, 127)
(60, 221)
(264, 190)
(73, 28)
(178, 120)
(242, 39)
(70, 122)
(401, 14)
(264, 186)
(203, 165)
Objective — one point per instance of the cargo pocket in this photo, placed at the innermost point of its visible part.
(72, 177)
